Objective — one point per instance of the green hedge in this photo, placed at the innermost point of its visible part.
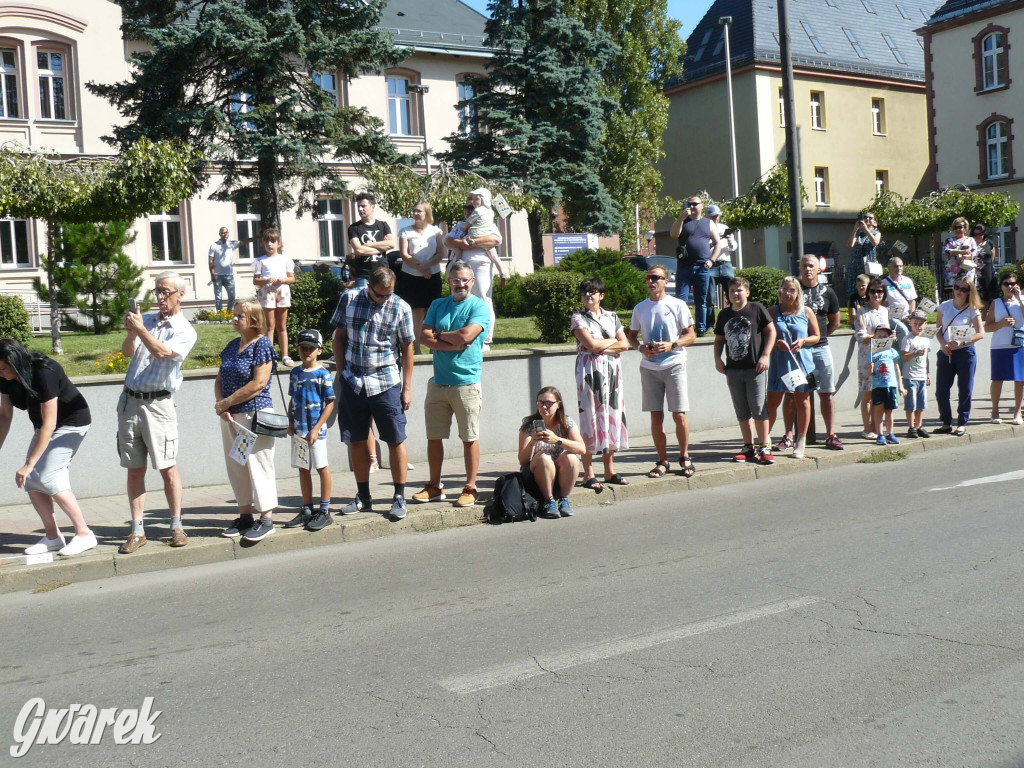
(510, 300)
(923, 280)
(624, 284)
(554, 295)
(764, 283)
(14, 320)
(314, 298)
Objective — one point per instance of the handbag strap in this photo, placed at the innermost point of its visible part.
(897, 287)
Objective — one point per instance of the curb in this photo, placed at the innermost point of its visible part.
(427, 518)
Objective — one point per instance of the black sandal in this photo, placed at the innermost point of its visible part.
(616, 479)
(659, 469)
(688, 469)
(593, 484)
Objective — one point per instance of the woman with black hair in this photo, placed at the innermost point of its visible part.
(550, 446)
(60, 415)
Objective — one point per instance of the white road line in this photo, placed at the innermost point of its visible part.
(1017, 474)
(543, 665)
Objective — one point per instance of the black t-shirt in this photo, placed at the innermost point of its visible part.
(695, 241)
(822, 301)
(744, 334)
(362, 266)
(49, 381)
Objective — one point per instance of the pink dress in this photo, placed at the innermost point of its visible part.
(602, 419)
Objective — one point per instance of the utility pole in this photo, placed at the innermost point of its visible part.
(792, 150)
(726, 21)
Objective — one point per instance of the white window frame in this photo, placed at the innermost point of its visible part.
(331, 78)
(997, 148)
(467, 114)
(9, 243)
(991, 58)
(241, 104)
(782, 109)
(821, 186)
(818, 110)
(48, 79)
(327, 220)
(1001, 235)
(881, 181)
(247, 224)
(166, 219)
(400, 106)
(10, 84)
(878, 116)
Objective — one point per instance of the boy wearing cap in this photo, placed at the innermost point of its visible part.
(916, 375)
(884, 370)
(311, 404)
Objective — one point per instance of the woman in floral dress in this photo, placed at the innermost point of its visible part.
(600, 339)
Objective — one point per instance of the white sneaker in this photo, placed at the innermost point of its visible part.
(46, 545)
(79, 544)
(798, 449)
(869, 435)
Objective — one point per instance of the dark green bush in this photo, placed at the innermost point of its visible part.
(1010, 269)
(553, 293)
(624, 284)
(764, 283)
(14, 320)
(510, 301)
(314, 298)
(923, 280)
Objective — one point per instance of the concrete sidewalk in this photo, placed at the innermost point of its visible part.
(208, 510)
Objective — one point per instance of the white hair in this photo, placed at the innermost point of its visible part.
(174, 277)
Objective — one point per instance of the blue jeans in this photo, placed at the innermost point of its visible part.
(961, 365)
(228, 281)
(720, 274)
(695, 277)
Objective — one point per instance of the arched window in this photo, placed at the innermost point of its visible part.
(405, 104)
(991, 59)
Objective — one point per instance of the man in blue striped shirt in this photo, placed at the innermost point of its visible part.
(372, 347)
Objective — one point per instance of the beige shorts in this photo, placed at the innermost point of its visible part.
(441, 403)
(660, 384)
(147, 429)
(279, 298)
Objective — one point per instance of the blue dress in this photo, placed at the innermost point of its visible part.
(788, 328)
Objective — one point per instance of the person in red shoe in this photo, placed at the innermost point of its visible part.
(455, 329)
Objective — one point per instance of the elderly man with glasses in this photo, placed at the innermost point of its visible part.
(666, 326)
(147, 423)
(372, 347)
(455, 328)
(697, 251)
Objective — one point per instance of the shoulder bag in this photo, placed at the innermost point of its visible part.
(271, 423)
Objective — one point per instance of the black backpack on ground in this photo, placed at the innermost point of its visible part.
(511, 503)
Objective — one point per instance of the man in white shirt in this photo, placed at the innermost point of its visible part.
(222, 266)
(147, 424)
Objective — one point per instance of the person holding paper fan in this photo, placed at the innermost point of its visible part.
(916, 373)
(869, 317)
(1005, 321)
(242, 388)
(959, 323)
(886, 381)
(796, 330)
(960, 251)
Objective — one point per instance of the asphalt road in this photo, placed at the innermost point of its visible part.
(852, 617)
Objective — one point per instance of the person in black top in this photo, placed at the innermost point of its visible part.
(369, 241)
(697, 251)
(60, 415)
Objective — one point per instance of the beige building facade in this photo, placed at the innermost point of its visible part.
(976, 104)
(48, 54)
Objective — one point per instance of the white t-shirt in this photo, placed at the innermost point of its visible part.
(1003, 338)
(728, 243)
(663, 320)
(953, 318)
(274, 267)
(916, 369)
(417, 242)
(223, 255)
(895, 297)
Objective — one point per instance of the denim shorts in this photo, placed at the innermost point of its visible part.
(917, 395)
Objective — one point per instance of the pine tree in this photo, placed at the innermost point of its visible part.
(94, 274)
(539, 116)
(237, 81)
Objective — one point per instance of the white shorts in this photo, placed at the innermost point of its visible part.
(318, 453)
(659, 384)
(279, 298)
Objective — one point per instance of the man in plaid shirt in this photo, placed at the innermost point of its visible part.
(373, 336)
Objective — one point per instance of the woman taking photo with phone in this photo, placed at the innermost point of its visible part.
(1005, 321)
(550, 446)
(864, 241)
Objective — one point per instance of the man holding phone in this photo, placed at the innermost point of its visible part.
(666, 326)
(147, 423)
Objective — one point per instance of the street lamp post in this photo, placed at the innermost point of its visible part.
(792, 149)
(423, 90)
(726, 22)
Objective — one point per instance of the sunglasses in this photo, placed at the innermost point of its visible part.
(1009, 284)
(546, 403)
(655, 278)
(961, 288)
(958, 226)
(876, 291)
(592, 291)
(692, 205)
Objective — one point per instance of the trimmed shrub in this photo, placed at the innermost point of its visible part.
(624, 284)
(510, 301)
(14, 320)
(314, 298)
(923, 280)
(1010, 269)
(553, 293)
(764, 283)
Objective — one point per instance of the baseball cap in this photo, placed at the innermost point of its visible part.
(310, 336)
(879, 327)
(712, 210)
(918, 314)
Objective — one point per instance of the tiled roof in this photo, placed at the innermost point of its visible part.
(435, 24)
(872, 37)
(952, 9)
